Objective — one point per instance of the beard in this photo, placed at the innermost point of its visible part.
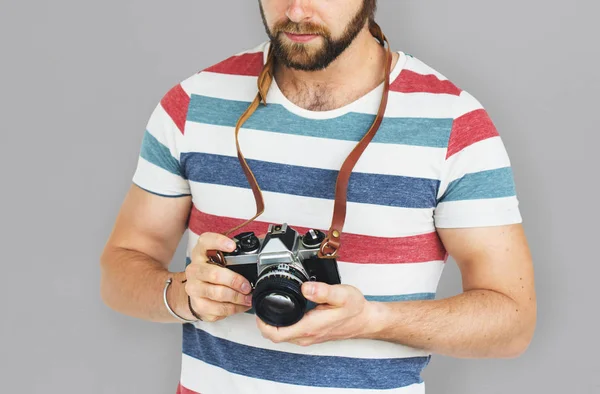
(309, 57)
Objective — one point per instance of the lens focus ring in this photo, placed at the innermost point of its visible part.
(277, 297)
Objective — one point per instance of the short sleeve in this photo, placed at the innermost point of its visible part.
(158, 169)
(477, 187)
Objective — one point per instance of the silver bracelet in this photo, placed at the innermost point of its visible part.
(175, 315)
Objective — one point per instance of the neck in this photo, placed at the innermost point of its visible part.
(359, 69)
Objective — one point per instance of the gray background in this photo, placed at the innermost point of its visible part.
(79, 80)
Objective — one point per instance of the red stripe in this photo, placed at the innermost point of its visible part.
(360, 249)
(469, 129)
(249, 64)
(183, 390)
(176, 103)
(412, 82)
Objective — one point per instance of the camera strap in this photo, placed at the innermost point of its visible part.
(331, 244)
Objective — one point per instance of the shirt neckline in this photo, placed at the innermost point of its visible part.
(373, 97)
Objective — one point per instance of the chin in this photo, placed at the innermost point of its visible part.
(302, 62)
(301, 56)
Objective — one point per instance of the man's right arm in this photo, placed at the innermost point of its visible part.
(135, 260)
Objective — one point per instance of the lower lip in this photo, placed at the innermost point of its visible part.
(301, 37)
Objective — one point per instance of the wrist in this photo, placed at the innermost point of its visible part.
(376, 315)
(177, 296)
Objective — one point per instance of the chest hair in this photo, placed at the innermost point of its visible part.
(319, 97)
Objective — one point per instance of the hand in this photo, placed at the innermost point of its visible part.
(215, 292)
(344, 313)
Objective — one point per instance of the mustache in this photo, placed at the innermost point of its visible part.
(300, 28)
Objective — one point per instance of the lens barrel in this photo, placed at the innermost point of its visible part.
(277, 298)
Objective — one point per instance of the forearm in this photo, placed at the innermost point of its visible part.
(474, 324)
(132, 283)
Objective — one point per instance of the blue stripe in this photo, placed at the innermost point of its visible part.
(390, 190)
(162, 195)
(402, 297)
(300, 369)
(429, 132)
(156, 153)
(481, 185)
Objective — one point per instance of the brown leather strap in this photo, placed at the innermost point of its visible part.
(331, 244)
(260, 204)
(264, 82)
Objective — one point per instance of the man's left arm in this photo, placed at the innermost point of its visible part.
(494, 316)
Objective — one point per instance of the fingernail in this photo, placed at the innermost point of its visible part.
(310, 289)
(229, 245)
(245, 287)
(248, 300)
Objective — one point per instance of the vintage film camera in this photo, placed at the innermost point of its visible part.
(277, 266)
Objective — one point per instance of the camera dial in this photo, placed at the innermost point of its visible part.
(313, 238)
(248, 242)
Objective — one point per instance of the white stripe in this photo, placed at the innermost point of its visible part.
(485, 155)
(392, 279)
(362, 219)
(203, 378)
(478, 213)
(380, 279)
(313, 152)
(162, 127)
(420, 105)
(241, 328)
(466, 103)
(222, 86)
(155, 179)
(243, 88)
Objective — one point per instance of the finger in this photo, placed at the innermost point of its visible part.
(207, 308)
(309, 327)
(223, 294)
(212, 241)
(267, 331)
(197, 288)
(216, 275)
(306, 341)
(301, 330)
(322, 293)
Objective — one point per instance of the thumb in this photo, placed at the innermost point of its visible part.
(322, 293)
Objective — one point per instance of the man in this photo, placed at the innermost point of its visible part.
(435, 181)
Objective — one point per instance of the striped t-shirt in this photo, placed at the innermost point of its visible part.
(436, 161)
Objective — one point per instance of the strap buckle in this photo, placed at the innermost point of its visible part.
(216, 257)
(329, 247)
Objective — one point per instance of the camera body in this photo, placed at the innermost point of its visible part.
(276, 266)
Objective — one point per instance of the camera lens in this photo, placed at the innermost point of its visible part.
(277, 298)
(279, 303)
